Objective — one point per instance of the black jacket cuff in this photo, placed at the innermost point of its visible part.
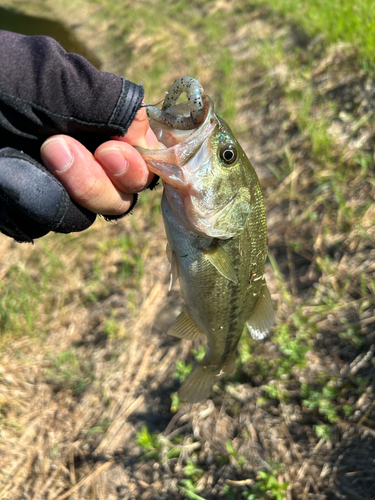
(128, 104)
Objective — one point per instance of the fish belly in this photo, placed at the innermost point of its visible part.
(218, 306)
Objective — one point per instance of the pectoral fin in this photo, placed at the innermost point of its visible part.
(262, 316)
(221, 261)
(174, 266)
(184, 327)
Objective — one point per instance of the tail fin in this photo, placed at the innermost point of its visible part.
(198, 385)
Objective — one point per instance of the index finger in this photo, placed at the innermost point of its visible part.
(139, 133)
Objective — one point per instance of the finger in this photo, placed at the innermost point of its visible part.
(139, 133)
(83, 176)
(124, 166)
(33, 201)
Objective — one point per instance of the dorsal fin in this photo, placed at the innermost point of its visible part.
(221, 261)
(262, 317)
(184, 327)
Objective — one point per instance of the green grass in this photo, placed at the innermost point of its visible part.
(337, 20)
(68, 372)
(25, 304)
(267, 484)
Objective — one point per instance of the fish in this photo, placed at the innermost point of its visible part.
(215, 222)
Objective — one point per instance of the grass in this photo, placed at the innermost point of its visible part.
(86, 369)
(338, 21)
(67, 372)
(24, 303)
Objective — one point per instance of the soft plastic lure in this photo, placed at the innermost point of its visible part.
(193, 90)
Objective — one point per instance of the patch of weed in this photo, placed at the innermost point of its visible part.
(68, 372)
(100, 428)
(182, 370)
(322, 399)
(338, 20)
(268, 485)
(28, 294)
(150, 442)
(188, 486)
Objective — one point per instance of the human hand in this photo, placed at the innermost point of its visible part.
(63, 93)
(103, 182)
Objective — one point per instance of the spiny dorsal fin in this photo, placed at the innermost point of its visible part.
(221, 261)
(262, 317)
(184, 327)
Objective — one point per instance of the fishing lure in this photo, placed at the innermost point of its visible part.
(193, 90)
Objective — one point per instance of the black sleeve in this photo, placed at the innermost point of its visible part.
(45, 91)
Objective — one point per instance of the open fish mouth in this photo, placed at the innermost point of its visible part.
(177, 147)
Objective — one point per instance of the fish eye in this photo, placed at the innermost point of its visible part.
(228, 154)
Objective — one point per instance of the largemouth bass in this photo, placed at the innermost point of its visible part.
(215, 223)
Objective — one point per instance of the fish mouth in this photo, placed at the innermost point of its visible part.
(177, 147)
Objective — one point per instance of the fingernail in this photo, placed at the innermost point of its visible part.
(150, 139)
(113, 160)
(57, 154)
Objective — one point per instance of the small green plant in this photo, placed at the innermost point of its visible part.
(100, 428)
(188, 489)
(348, 410)
(239, 460)
(199, 353)
(112, 328)
(267, 486)
(150, 443)
(321, 399)
(323, 432)
(175, 402)
(351, 333)
(182, 370)
(193, 471)
(245, 354)
(294, 347)
(272, 390)
(188, 486)
(229, 492)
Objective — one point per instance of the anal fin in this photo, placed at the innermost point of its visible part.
(185, 327)
(198, 385)
(262, 317)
